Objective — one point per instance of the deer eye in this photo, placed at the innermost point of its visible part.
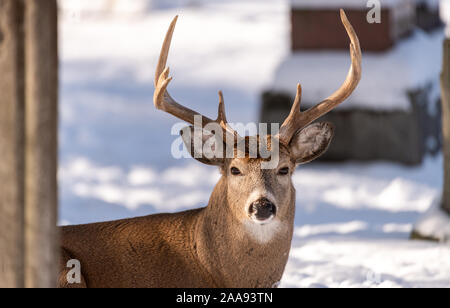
(283, 171)
(235, 171)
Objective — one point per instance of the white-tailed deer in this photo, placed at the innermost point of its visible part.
(242, 238)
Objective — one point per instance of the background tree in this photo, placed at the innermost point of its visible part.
(445, 85)
(28, 143)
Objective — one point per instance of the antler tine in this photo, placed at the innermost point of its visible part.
(164, 54)
(162, 99)
(222, 117)
(289, 126)
(297, 120)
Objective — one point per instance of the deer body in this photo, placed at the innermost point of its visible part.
(243, 237)
(189, 249)
(153, 251)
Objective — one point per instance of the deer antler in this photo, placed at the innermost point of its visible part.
(297, 119)
(163, 101)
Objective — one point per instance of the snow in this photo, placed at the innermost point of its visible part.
(445, 15)
(120, 7)
(353, 220)
(435, 223)
(353, 4)
(383, 263)
(386, 79)
(403, 5)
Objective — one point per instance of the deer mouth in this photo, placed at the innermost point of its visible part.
(262, 211)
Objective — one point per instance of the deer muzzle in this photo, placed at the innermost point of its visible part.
(262, 210)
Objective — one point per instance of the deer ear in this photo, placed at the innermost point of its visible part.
(311, 142)
(207, 149)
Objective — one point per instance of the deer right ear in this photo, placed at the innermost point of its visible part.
(206, 149)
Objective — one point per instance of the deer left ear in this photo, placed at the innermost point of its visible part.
(311, 142)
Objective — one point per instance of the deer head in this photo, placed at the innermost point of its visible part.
(243, 237)
(255, 196)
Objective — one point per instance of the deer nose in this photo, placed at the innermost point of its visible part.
(262, 209)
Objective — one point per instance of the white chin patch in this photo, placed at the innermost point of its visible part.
(262, 222)
(264, 231)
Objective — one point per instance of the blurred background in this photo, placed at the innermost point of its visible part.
(356, 207)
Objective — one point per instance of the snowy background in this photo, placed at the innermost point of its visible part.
(353, 220)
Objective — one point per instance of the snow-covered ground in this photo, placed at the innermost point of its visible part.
(387, 81)
(445, 15)
(353, 220)
(435, 223)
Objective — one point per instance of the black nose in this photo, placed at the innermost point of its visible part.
(262, 209)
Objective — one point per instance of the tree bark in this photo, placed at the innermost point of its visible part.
(445, 86)
(28, 143)
(12, 106)
(41, 96)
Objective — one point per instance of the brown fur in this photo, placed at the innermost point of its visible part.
(174, 250)
(221, 245)
(208, 247)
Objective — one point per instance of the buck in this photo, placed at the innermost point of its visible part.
(242, 238)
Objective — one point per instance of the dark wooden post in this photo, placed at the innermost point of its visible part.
(445, 86)
(11, 144)
(28, 143)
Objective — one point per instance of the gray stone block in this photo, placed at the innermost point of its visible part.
(370, 135)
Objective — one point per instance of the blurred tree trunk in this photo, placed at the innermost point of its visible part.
(12, 105)
(41, 113)
(28, 143)
(445, 86)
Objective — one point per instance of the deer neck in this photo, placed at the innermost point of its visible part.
(233, 253)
